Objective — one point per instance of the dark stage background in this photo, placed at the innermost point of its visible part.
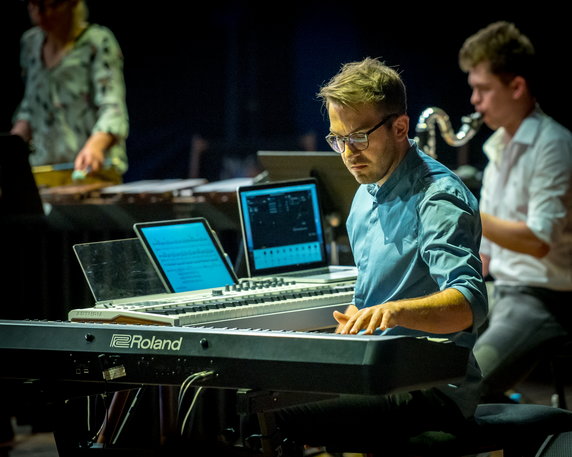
(244, 78)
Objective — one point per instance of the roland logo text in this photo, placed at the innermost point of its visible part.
(139, 342)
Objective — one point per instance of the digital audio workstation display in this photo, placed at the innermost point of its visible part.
(284, 226)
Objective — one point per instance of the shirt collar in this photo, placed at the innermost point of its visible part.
(528, 129)
(525, 135)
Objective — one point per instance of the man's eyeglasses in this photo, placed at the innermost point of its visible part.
(357, 140)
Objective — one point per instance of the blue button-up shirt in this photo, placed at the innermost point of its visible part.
(418, 234)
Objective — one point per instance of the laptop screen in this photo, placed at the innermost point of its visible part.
(118, 269)
(186, 254)
(282, 227)
(337, 187)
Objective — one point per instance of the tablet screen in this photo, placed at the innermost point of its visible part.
(186, 254)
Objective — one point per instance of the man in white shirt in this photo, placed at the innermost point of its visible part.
(526, 201)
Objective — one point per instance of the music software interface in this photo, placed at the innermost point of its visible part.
(285, 227)
(188, 257)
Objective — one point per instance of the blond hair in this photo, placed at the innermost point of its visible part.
(369, 81)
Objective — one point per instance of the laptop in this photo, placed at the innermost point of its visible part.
(145, 269)
(117, 270)
(283, 232)
(186, 254)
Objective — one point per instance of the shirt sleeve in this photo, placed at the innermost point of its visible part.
(550, 193)
(450, 235)
(109, 84)
(22, 112)
(484, 204)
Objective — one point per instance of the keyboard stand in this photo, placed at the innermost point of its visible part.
(263, 403)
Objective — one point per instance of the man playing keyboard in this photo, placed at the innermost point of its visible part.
(415, 231)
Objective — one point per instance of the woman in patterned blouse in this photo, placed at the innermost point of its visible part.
(73, 111)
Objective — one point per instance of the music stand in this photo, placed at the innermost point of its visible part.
(337, 185)
(19, 196)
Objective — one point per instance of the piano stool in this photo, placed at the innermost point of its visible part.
(520, 430)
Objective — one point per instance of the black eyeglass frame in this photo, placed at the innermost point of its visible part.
(351, 138)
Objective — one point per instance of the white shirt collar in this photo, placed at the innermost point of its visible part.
(525, 135)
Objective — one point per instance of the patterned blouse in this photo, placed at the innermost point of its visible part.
(83, 94)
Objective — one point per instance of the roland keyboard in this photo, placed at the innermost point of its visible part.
(109, 355)
(270, 304)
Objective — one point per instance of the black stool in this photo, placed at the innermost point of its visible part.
(520, 430)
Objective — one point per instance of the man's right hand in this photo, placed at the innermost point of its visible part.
(343, 318)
